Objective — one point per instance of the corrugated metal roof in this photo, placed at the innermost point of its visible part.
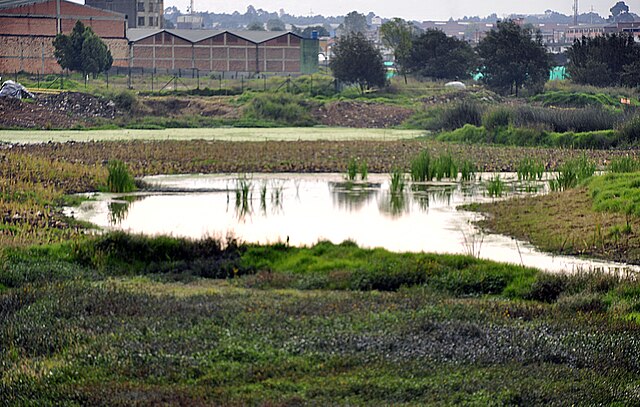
(16, 3)
(257, 37)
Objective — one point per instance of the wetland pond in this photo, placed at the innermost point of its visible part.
(302, 209)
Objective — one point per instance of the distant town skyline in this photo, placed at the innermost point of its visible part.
(407, 9)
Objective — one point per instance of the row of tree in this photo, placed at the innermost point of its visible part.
(509, 59)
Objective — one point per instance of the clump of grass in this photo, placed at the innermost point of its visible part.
(462, 113)
(495, 187)
(572, 172)
(497, 118)
(530, 169)
(119, 179)
(397, 183)
(352, 169)
(467, 170)
(445, 167)
(624, 165)
(421, 170)
(364, 170)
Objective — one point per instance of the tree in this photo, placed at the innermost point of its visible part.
(275, 24)
(607, 60)
(82, 51)
(354, 22)
(513, 58)
(397, 34)
(356, 60)
(322, 32)
(435, 55)
(618, 9)
(255, 26)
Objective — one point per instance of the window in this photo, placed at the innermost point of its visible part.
(150, 7)
(151, 22)
(140, 6)
(140, 21)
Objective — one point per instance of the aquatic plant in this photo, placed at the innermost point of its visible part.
(467, 170)
(445, 167)
(495, 187)
(530, 169)
(624, 164)
(352, 170)
(119, 178)
(397, 183)
(572, 172)
(421, 170)
(364, 170)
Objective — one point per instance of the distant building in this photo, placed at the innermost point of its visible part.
(140, 13)
(190, 22)
(472, 32)
(28, 27)
(222, 51)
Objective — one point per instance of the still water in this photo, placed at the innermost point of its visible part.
(302, 209)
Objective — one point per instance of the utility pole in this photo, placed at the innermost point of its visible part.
(575, 12)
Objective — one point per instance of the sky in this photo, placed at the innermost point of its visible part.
(407, 9)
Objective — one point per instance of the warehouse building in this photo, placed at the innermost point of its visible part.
(28, 27)
(223, 51)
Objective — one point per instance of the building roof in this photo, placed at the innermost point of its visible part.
(16, 3)
(257, 37)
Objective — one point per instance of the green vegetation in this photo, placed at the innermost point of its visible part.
(357, 61)
(281, 108)
(495, 187)
(80, 325)
(530, 169)
(119, 179)
(572, 172)
(624, 164)
(82, 51)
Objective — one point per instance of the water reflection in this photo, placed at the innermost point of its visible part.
(308, 208)
(353, 196)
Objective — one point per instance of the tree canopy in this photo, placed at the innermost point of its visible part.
(354, 22)
(608, 60)
(397, 35)
(356, 60)
(322, 32)
(82, 51)
(275, 24)
(512, 58)
(435, 55)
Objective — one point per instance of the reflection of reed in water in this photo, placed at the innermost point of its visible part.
(118, 212)
(353, 196)
(394, 204)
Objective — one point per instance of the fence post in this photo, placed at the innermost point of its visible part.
(265, 82)
(62, 80)
(151, 81)
(107, 75)
(198, 75)
(38, 76)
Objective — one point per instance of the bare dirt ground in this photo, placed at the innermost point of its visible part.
(61, 111)
(361, 115)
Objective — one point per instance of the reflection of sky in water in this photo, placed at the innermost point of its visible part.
(306, 208)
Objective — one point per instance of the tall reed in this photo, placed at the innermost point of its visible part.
(119, 179)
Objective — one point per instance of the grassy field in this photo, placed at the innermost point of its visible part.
(221, 134)
(119, 319)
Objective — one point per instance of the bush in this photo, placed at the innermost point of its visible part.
(460, 114)
(584, 302)
(496, 118)
(281, 108)
(547, 287)
(630, 130)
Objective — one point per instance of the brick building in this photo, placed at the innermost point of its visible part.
(28, 27)
(140, 13)
(223, 51)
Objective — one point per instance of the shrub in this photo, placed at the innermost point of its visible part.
(119, 179)
(584, 302)
(460, 114)
(547, 287)
(496, 118)
(630, 130)
(281, 108)
(125, 100)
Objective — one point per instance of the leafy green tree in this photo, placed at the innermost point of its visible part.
(436, 55)
(82, 51)
(275, 24)
(256, 26)
(356, 60)
(513, 58)
(322, 32)
(607, 60)
(397, 34)
(354, 22)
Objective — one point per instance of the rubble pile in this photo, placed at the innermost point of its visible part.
(361, 114)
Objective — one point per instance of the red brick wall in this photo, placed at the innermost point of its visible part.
(41, 20)
(35, 54)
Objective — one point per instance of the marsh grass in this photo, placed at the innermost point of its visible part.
(624, 165)
(530, 169)
(572, 172)
(421, 169)
(119, 179)
(495, 186)
(397, 181)
(467, 170)
(352, 170)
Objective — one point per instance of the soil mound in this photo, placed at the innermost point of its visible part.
(361, 115)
